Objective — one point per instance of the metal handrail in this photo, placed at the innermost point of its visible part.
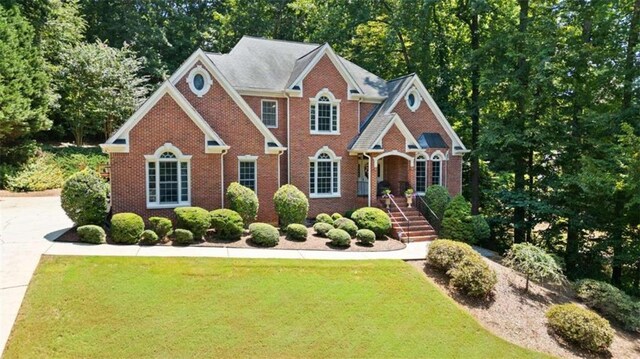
(435, 224)
(403, 216)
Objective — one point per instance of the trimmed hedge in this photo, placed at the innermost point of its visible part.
(373, 219)
(473, 277)
(243, 200)
(195, 219)
(182, 236)
(84, 198)
(91, 233)
(322, 228)
(291, 205)
(126, 228)
(227, 223)
(339, 237)
(580, 326)
(162, 226)
(149, 237)
(611, 302)
(336, 215)
(366, 236)
(457, 223)
(444, 253)
(324, 218)
(264, 235)
(297, 232)
(346, 225)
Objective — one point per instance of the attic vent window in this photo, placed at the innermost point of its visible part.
(199, 81)
(413, 99)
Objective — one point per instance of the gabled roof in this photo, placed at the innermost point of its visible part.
(119, 141)
(369, 139)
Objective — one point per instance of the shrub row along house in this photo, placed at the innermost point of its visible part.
(274, 112)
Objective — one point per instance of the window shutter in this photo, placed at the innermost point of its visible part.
(335, 177)
(312, 177)
(334, 118)
(151, 176)
(184, 181)
(312, 117)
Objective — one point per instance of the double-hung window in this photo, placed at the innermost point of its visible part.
(421, 174)
(324, 113)
(247, 170)
(324, 175)
(168, 178)
(270, 113)
(436, 170)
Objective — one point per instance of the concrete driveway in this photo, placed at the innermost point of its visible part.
(28, 226)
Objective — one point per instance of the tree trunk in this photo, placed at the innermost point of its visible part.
(475, 115)
(616, 237)
(573, 248)
(526, 285)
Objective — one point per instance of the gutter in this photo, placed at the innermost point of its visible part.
(224, 152)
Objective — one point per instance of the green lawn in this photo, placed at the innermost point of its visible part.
(201, 307)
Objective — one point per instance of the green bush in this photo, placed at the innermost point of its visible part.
(481, 230)
(457, 223)
(149, 237)
(444, 253)
(91, 233)
(365, 236)
(73, 159)
(339, 237)
(322, 228)
(611, 302)
(264, 235)
(182, 236)
(38, 174)
(324, 218)
(373, 219)
(162, 226)
(349, 213)
(346, 225)
(472, 276)
(6, 171)
(336, 215)
(84, 198)
(195, 219)
(534, 263)
(126, 228)
(291, 205)
(227, 223)
(438, 198)
(243, 200)
(581, 326)
(297, 232)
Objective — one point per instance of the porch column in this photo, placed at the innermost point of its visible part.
(373, 182)
(411, 176)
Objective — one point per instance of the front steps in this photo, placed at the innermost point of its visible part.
(417, 229)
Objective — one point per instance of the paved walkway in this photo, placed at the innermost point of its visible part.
(28, 226)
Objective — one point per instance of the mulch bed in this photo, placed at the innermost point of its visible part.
(313, 242)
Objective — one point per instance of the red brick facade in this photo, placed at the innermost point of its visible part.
(211, 173)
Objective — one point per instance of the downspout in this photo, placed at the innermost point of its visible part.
(371, 171)
(224, 152)
(279, 154)
(288, 145)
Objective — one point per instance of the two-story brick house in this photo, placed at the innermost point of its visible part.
(274, 112)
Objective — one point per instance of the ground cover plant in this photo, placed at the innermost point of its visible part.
(205, 307)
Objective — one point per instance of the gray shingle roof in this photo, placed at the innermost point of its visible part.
(368, 136)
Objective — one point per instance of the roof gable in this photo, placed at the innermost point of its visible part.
(375, 131)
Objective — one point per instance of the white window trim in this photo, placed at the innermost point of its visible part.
(333, 159)
(262, 114)
(199, 70)
(254, 159)
(437, 157)
(418, 99)
(155, 158)
(333, 102)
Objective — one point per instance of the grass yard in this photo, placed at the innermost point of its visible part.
(205, 307)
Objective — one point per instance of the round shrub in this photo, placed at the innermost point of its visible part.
(473, 277)
(297, 232)
(438, 198)
(481, 230)
(611, 302)
(264, 235)
(91, 233)
(126, 228)
(322, 228)
(227, 223)
(346, 225)
(161, 226)
(580, 326)
(339, 237)
(324, 218)
(335, 216)
(149, 237)
(444, 253)
(243, 200)
(457, 223)
(84, 198)
(349, 213)
(373, 219)
(365, 236)
(291, 205)
(182, 236)
(195, 219)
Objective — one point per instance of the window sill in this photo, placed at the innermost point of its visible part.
(335, 195)
(324, 133)
(167, 205)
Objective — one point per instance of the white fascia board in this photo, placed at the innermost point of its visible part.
(403, 129)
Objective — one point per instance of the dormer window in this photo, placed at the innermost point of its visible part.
(324, 113)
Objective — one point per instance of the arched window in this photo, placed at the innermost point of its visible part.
(421, 174)
(436, 170)
(168, 178)
(324, 113)
(324, 174)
